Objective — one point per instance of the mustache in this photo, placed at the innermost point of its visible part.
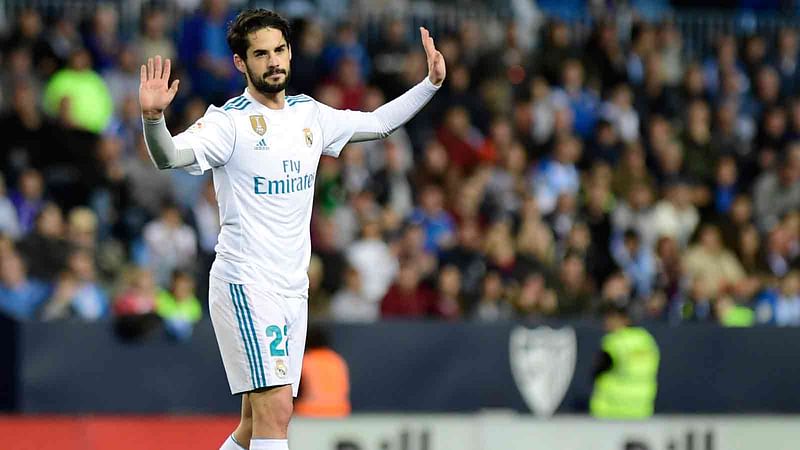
(274, 72)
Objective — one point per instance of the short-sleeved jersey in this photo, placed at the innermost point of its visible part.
(264, 163)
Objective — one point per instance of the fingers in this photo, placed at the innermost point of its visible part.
(150, 69)
(427, 42)
(174, 88)
(167, 70)
(158, 67)
(143, 74)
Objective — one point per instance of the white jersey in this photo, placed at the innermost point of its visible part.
(264, 163)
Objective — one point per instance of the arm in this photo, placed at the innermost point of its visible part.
(161, 146)
(389, 117)
(154, 96)
(340, 127)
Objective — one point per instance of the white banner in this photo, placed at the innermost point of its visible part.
(492, 431)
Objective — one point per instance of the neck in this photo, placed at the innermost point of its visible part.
(271, 101)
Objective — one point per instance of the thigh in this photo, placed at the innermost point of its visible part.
(297, 329)
(246, 321)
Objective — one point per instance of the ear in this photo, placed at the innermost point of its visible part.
(239, 63)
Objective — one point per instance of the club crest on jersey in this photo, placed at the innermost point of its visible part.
(259, 124)
(280, 368)
(309, 136)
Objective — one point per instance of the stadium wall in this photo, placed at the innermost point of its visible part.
(410, 367)
(484, 431)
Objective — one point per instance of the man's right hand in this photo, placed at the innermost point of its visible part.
(154, 92)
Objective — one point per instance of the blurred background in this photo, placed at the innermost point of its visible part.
(640, 158)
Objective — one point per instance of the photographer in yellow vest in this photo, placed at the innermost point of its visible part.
(626, 372)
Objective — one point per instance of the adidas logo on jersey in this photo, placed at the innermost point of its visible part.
(261, 145)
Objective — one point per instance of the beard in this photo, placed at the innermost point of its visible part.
(265, 87)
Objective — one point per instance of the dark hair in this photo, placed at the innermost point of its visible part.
(249, 21)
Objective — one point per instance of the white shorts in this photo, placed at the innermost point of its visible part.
(261, 334)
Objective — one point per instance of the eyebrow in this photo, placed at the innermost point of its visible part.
(261, 50)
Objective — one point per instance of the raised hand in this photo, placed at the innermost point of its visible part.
(436, 69)
(154, 92)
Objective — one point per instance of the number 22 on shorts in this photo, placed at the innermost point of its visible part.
(275, 346)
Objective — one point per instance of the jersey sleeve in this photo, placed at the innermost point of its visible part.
(338, 127)
(211, 138)
(342, 126)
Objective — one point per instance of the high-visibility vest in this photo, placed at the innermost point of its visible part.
(628, 389)
(325, 385)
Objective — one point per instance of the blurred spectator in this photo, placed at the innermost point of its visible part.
(470, 261)
(786, 61)
(725, 187)
(44, 249)
(122, 78)
(204, 50)
(28, 33)
(555, 51)
(407, 298)
(777, 191)
(619, 111)
(155, 39)
(676, 216)
(307, 57)
(460, 138)
(78, 95)
(149, 189)
(557, 174)
(583, 103)
(448, 302)
(370, 256)
(77, 292)
(573, 289)
(135, 305)
(389, 55)
(102, 40)
(28, 198)
(350, 305)
(64, 39)
(710, 263)
(20, 296)
(9, 222)
(27, 132)
(436, 223)
(170, 244)
(492, 305)
(636, 260)
(346, 45)
(780, 305)
(178, 307)
(631, 171)
(534, 300)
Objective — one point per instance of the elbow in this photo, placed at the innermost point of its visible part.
(163, 165)
(386, 132)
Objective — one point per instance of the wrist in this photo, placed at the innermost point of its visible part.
(429, 84)
(153, 116)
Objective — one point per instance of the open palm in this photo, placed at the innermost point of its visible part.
(436, 68)
(155, 93)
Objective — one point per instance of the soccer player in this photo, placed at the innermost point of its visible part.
(263, 149)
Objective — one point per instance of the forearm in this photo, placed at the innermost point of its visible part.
(161, 147)
(391, 116)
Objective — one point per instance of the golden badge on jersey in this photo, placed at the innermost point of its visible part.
(259, 124)
(309, 136)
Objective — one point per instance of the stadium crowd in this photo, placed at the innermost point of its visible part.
(539, 183)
